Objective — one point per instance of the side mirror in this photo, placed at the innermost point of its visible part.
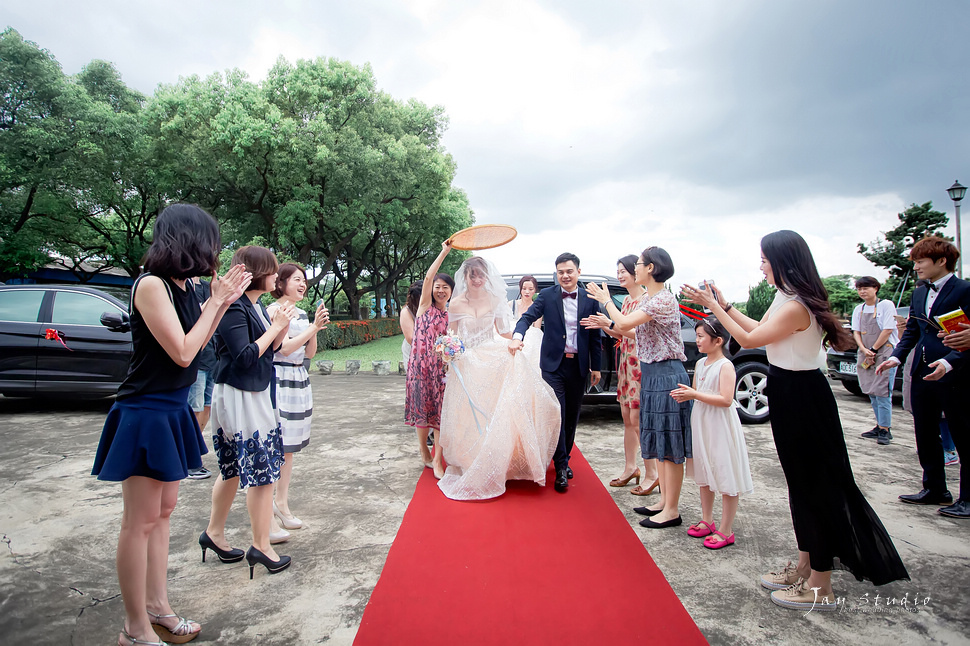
(116, 321)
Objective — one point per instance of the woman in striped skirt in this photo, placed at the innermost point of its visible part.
(293, 396)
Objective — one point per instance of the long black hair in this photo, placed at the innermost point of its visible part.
(185, 243)
(795, 273)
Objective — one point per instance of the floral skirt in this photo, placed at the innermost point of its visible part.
(247, 436)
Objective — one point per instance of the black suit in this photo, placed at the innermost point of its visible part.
(567, 376)
(946, 396)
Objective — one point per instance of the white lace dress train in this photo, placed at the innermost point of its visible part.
(499, 419)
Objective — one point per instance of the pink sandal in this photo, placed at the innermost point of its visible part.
(713, 542)
(702, 529)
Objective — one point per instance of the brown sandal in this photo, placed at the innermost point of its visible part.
(622, 482)
(640, 491)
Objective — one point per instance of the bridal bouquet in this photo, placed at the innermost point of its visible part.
(449, 347)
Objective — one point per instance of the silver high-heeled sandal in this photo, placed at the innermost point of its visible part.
(134, 642)
(180, 634)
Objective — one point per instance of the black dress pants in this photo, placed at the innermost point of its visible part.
(929, 400)
(569, 387)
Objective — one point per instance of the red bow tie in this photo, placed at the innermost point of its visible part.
(569, 294)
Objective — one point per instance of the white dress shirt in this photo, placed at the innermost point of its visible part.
(931, 294)
(570, 310)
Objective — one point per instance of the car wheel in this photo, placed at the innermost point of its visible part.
(749, 392)
(852, 387)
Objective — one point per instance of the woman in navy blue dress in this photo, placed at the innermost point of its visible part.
(150, 437)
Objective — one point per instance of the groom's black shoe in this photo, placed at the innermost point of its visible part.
(562, 481)
(927, 497)
(569, 473)
(959, 509)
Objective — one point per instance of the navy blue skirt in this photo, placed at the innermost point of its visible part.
(664, 423)
(154, 435)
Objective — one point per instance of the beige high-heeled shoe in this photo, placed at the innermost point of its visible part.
(277, 534)
(288, 522)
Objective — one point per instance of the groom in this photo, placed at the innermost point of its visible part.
(568, 353)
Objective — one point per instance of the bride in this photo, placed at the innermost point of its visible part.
(499, 419)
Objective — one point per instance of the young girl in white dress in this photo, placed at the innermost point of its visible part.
(720, 462)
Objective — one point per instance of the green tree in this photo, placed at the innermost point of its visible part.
(41, 130)
(116, 194)
(892, 251)
(73, 166)
(331, 171)
(316, 161)
(759, 299)
(842, 295)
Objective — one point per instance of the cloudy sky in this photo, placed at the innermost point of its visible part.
(605, 127)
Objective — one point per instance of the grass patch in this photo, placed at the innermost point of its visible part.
(386, 349)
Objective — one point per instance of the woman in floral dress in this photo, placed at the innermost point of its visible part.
(628, 382)
(425, 386)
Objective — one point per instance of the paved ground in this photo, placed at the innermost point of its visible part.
(352, 486)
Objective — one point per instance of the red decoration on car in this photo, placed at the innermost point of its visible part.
(54, 335)
(692, 313)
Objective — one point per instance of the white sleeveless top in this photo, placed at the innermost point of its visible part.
(800, 351)
(297, 327)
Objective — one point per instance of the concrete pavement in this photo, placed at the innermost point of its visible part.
(352, 485)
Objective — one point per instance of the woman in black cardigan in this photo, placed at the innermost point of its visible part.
(246, 425)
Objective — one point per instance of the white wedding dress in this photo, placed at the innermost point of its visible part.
(499, 420)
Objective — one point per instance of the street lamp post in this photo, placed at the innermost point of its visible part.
(956, 194)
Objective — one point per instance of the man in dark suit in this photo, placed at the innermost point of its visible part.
(569, 352)
(941, 375)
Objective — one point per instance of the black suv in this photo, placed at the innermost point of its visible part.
(91, 357)
(751, 365)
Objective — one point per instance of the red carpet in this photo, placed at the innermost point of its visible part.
(530, 567)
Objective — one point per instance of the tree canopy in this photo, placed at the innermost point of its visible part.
(315, 160)
(892, 251)
(843, 296)
(759, 299)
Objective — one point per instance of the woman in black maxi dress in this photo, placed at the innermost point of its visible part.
(834, 525)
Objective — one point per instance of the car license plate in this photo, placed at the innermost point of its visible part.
(847, 367)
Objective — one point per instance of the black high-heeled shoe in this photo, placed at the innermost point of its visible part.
(232, 555)
(254, 556)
